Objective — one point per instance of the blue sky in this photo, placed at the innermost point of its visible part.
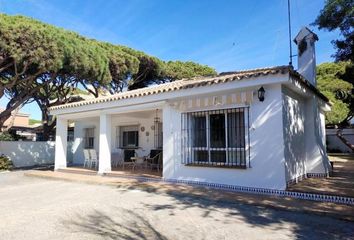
(225, 34)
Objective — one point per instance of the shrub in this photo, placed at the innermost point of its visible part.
(6, 137)
(5, 163)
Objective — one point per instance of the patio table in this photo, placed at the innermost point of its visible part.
(138, 162)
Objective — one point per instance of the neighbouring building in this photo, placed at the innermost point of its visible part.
(20, 126)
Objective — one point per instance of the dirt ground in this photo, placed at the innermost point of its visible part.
(340, 183)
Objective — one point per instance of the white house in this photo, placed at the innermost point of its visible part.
(217, 130)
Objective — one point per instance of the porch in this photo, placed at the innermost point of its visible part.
(116, 172)
(118, 141)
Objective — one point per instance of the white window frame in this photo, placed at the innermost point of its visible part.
(88, 136)
(239, 150)
(119, 136)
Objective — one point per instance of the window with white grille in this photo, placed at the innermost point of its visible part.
(128, 136)
(216, 138)
(89, 138)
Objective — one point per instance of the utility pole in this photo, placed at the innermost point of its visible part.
(290, 47)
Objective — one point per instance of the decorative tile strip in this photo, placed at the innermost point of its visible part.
(317, 175)
(273, 192)
(252, 190)
(307, 175)
(296, 180)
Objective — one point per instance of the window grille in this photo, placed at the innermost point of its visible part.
(158, 135)
(89, 139)
(217, 138)
(129, 136)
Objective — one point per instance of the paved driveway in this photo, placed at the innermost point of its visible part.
(340, 183)
(34, 208)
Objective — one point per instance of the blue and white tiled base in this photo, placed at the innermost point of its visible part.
(307, 175)
(272, 192)
(317, 175)
(295, 180)
(252, 190)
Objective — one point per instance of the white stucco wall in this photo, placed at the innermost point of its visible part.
(315, 138)
(25, 154)
(294, 134)
(146, 138)
(304, 135)
(267, 147)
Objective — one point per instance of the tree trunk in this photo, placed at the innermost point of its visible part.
(11, 106)
(4, 115)
(48, 123)
(48, 130)
(15, 102)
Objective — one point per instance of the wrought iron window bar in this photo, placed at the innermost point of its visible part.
(216, 138)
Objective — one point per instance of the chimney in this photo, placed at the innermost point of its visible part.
(306, 57)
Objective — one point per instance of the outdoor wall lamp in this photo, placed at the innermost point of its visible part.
(261, 93)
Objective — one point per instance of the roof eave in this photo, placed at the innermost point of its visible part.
(314, 89)
(181, 85)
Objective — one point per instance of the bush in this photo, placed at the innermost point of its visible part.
(5, 163)
(6, 137)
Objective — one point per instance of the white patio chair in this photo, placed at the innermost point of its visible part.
(87, 162)
(117, 159)
(93, 158)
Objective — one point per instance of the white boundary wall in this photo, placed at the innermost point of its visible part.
(334, 142)
(26, 154)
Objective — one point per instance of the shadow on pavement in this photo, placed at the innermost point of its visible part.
(306, 226)
(130, 225)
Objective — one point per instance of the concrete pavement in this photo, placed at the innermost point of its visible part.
(33, 208)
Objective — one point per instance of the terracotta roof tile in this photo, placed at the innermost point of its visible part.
(181, 84)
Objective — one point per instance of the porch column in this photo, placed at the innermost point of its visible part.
(104, 159)
(61, 143)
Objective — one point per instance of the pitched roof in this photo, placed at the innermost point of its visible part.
(182, 84)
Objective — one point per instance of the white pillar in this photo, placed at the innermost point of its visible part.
(61, 143)
(104, 164)
(170, 126)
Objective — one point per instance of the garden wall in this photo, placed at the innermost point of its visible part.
(26, 154)
(335, 145)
